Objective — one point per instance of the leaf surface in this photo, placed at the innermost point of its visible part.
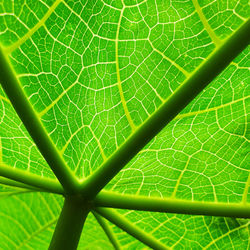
(28, 221)
(94, 71)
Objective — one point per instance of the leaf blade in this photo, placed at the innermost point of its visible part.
(172, 107)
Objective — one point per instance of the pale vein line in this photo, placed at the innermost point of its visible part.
(226, 234)
(228, 227)
(18, 224)
(1, 151)
(239, 67)
(205, 23)
(131, 123)
(14, 46)
(70, 139)
(53, 103)
(99, 144)
(244, 198)
(59, 206)
(169, 60)
(4, 99)
(179, 240)
(248, 244)
(94, 136)
(78, 166)
(246, 122)
(210, 109)
(28, 210)
(33, 235)
(135, 5)
(9, 240)
(207, 227)
(157, 94)
(180, 177)
(87, 25)
(47, 206)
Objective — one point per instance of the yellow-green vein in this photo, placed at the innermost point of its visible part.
(4, 99)
(210, 109)
(169, 60)
(94, 136)
(1, 150)
(53, 103)
(119, 84)
(180, 177)
(17, 44)
(37, 232)
(9, 240)
(18, 224)
(226, 234)
(28, 210)
(205, 23)
(245, 193)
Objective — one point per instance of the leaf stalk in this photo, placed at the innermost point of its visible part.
(70, 224)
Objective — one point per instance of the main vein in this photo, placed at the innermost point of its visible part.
(171, 205)
(12, 183)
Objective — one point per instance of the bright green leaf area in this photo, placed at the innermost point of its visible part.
(94, 71)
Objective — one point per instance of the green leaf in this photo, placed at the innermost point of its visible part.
(30, 225)
(106, 104)
(28, 220)
(203, 153)
(16, 146)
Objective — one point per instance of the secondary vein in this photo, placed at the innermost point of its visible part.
(226, 234)
(245, 193)
(4, 99)
(184, 94)
(210, 109)
(119, 84)
(17, 44)
(169, 60)
(205, 23)
(34, 126)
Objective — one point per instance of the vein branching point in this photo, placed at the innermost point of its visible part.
(82, 197)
